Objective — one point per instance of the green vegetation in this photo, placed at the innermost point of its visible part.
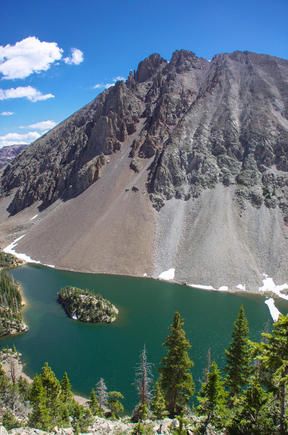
(11, 321)
(87, 306)
(7, 261)
(252, 400)
(175, 370)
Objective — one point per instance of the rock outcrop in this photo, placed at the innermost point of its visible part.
(150, 151)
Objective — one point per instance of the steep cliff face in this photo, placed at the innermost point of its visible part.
(157, 151)
(9, 153)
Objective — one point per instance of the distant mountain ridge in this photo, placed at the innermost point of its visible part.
(8, 153)
(182, 135)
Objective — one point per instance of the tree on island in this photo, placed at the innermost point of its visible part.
(175, 369)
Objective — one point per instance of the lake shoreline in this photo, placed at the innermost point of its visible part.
(268, 289)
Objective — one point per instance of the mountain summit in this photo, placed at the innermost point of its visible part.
(184, 165)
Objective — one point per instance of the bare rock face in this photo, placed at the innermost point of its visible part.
(177, 135)
(201, 123)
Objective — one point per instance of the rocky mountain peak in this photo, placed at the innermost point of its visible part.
(185, 60)
(149, 66)
(200, 123)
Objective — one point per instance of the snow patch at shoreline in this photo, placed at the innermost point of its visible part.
(167, 275)
(275, 313)
(10, 249)
(270, 287)
(202, 287)
(223, 288)
(241, 287)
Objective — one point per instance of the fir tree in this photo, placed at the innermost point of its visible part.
(81, 418)
(238, 356)
(114, 403)
(94, 404)
(212, 399)
(39, 417)
(252, 414)
(66, 389)
(274, 358)
(52, 389)
(158, 403)
(176, 378)
(9, 421)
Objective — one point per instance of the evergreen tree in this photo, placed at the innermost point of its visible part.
(176, 378)
(143, 382)
(66, 389)
(39, 417)
(158, 403)
(212, 399)
(9, 421)
(94, 404)
(114, 403)
(238, 356)
(81, 418)
(253, 413)
(274, 358)
(52, 389)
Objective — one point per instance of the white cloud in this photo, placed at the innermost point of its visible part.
(42, 125)
(108, 85)
(18, 138)
(27, 57)
(77, 57)
(28, 92)
(6, 113)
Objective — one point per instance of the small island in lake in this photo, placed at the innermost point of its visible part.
(86, 306)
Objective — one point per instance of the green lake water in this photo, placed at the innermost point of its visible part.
(90, 351)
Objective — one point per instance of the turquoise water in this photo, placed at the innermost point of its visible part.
(90, 351)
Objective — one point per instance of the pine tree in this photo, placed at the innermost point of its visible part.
(114, 403)
(81, 418)
(39, 417)
(238, 356)
(102, 394)
(143, 382)
(212, 399)
(274, 358)
(9, 421)
(52, 389)
(158, 403)
(253, 413)
(94, 404)
(66, 389)
(176, 378)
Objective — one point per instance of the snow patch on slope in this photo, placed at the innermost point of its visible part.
(167, 275)
(270, 287)
(275, 313)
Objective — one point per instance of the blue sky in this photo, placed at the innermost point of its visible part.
(111, 37)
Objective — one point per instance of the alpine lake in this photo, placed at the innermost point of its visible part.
(146, 308)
